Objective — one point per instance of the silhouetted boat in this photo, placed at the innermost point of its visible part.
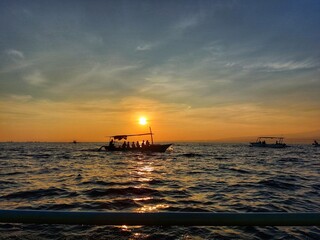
(261, 142)
(315, 143)
(126, 147)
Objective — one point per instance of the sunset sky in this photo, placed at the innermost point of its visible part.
(197, 70)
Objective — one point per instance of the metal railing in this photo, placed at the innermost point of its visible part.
(160, 218)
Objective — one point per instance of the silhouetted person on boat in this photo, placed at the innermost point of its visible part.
(147, 143)
(124, 145)
(138, 145)
(111, 144)
(133, 145)
(142, 144)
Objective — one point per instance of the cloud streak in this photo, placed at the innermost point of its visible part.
(15, 54)
(36, 79)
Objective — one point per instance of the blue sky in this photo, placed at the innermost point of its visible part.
(216, 60)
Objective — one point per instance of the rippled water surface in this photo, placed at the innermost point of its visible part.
(196, 177)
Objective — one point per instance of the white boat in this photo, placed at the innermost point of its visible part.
(277, 142)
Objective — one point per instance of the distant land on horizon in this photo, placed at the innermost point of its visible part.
(302, 137)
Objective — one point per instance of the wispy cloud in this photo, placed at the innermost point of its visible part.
(187, 22)
(98, 80)
(278, 66)
(15, 54)
(20, 98)
(36, 78)
(13, 60)
(144, 47)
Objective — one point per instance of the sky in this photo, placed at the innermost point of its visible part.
(197, 70)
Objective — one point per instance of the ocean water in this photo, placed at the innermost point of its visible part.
(194, 177)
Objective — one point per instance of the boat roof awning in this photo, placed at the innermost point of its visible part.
(120, 137)
(272, 137)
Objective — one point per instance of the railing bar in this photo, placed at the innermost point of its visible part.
(160, 218)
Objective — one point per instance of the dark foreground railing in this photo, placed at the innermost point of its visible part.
(160, 218)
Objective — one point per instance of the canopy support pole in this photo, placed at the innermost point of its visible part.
(151, 135)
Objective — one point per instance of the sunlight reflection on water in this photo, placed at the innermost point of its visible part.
(193, 177)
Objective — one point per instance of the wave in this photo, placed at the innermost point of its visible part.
(234, 169)
(316, 186)
(290, 159)
(221, 158)
(12, 173)
(39, 193)
(117, 204)
(191, 155)
(55, 206)
(273, 183)
(100, 183)
(106, 183)
(98, 192)
(187, 209)
(41, 155)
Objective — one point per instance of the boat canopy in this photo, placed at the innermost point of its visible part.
(273, 137)
(120, 137)
(280, 139)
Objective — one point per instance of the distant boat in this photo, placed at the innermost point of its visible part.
(74, 141)
(315, 143)
(116, 146)
(262, 142)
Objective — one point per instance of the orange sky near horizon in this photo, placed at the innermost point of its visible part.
(65, 122)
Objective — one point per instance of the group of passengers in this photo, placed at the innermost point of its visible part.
(126, 145)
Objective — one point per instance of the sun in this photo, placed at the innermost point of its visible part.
(142, 121)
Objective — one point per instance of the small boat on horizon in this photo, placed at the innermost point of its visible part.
(262, 142)
(315, 143)
(116, 146)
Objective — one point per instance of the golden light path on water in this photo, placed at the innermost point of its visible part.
(145, 171)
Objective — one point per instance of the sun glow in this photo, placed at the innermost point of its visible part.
(142, 121)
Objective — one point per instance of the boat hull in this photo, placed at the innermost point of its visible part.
(268, 145)
(151, 148)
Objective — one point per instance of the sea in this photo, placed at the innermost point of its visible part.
(190, 177)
